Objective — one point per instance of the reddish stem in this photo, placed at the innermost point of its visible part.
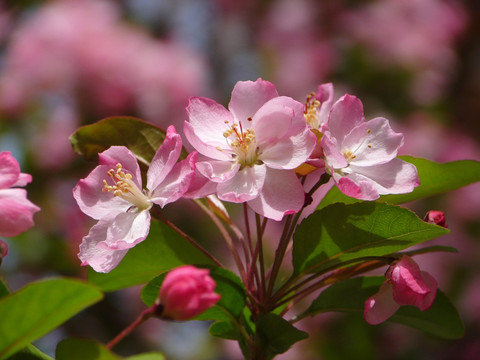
(146, 314)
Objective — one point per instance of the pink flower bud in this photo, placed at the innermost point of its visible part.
(186, 292)
(405, 284)
(436, 217)
(410, 285)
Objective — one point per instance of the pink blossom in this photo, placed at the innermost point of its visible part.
(361, 156)
(405, 285)
(112, 193)
(187, 291)
(436, 217)
(253, 147)
(16, 211)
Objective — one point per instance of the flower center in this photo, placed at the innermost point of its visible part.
(311, 111)
(243, 143)
(126, 188)
(350, 155)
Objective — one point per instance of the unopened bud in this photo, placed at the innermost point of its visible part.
(187, 291)
(436, 217)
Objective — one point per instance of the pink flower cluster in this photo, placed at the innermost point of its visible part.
(249, 153)
(405, 284)
(16, 211)
(252, 149)
(186, 292)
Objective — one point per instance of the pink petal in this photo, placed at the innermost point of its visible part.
(218, 171)
(200, 187)
(428, 300)
(357, 187)
(394, 177)
(9, 170)
(176, 183)
(409, 287)
(332, 153)
(165, 158)
(282, 194)
(93, 201)
(248, 97)
(217, 149)
(244, 186)
(121, 155)
(16, 212)
(100, 259)
(346, 114)
(324, 94)
(208, 121)
(126, 230)
(380, 306)
(373, 142)
(272, 122)
(290, 152)
(23, 179)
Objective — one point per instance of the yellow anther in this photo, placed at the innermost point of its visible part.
(126, 188)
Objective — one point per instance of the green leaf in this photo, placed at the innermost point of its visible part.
(142, 138)
(30, 353)
(3, 289)
(161, 251)
(147, 356)
(277, 335)
(438, 178)
(435, 179)
(340, 233)
(441, 319)
(81, 349)
(224, 330)
(39, 308)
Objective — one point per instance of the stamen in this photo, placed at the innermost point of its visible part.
(243, 144)
(311, 108)
(126, 188)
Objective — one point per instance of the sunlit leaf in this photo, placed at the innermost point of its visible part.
(39, 308)
(142, 138)
(342, 232)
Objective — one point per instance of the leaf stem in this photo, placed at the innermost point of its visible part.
(161, 217)
(226, 237)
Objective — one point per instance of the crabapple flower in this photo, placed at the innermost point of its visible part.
(187, 291)
(405, 285)
(252, 148)
(436, 217)
(317, 107)
(16, 211)
(112, 193)
(361, 155)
